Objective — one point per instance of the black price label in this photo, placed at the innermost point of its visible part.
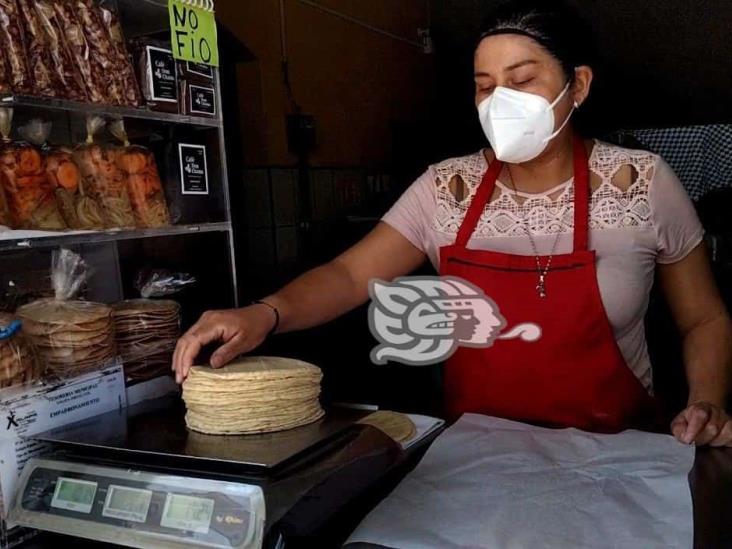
(162, 74)
(193, 171)
(202, 100)
(200, 69)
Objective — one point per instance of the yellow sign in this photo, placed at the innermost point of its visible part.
(193, 31)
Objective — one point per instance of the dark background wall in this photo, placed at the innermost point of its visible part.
(664, 63)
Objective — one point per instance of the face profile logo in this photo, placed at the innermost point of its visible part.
(423, 320)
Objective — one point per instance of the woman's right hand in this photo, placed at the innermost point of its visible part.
(239, 331)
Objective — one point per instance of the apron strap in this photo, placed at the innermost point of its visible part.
(477, 205)
(581, 195)
(581, 198)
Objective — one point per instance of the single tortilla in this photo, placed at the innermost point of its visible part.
(397, 426)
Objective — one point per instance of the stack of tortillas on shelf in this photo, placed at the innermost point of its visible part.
(17, 361)
(70, 337)
(146, 331)
(252, 395)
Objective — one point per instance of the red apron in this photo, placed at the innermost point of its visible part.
(575, 374)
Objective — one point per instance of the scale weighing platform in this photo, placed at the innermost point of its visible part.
(137, 477)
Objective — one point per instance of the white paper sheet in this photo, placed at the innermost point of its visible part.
(493, 483)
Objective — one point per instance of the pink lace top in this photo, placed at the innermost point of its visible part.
(640, 215)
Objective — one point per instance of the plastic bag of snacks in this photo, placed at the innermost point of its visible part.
(101, 50)
(79, 210)
(142, 179)
(18, 363)
(71, 337)
(37, 50)
(66, 76)
(147, 329)
(102, 179)
(123, 65)
(31, 201)
(13, 47)
(80, 50)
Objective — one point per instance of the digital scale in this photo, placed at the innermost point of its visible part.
(138, 508)
(137, 477)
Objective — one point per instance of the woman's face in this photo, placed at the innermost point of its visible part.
(518, 62)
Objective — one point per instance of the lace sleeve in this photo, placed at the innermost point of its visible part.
(411, 215)
(677, 226)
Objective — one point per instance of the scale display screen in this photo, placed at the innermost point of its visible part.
(127, 503)
(187, 513)
(74, 495)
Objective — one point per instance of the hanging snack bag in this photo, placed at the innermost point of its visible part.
(66, 76)
(30, 197)
(5, 88)
(102, 180)
(36, 43)
(81, 52)
(18, 363)
(101, 50)
(142, 179)
(130, 89)
(13, 47)
(71, 337)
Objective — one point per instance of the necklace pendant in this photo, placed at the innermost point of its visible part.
(541, 287)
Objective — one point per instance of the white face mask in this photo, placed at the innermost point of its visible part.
(519, 125)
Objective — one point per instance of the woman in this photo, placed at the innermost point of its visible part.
(564, 231)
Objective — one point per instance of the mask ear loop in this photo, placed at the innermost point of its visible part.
(575, 105)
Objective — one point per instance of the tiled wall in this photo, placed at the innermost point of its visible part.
(289, 220)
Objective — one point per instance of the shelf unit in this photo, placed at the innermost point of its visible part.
(208, 228)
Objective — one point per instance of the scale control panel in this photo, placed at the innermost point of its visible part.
(138, 508)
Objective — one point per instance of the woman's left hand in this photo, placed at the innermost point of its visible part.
(703, 423)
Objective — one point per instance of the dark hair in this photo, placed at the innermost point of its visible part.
(552, 23)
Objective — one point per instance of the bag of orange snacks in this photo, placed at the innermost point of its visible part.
(80, 211)
(142, 179)
(30, 197)
(102, 179)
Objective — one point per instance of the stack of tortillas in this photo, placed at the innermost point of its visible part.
(70, 337)
(146, 331)
(252, 395)
(17, 362)
(397, 426)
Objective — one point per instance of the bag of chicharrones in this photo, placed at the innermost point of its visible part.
(71, 337)
(143, 181)
(102, 179)
(18, 364)
(31, 202)
(147, 329)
